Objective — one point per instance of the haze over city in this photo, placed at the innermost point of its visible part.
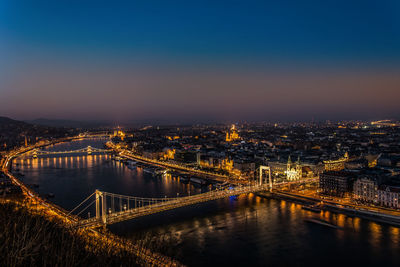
(200, 61)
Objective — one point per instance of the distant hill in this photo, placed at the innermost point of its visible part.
(68, 123)
(14, 133)
(7, 123)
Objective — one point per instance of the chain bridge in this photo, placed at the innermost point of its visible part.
(113, 208)
(89, 150)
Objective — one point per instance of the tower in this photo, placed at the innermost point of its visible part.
(289, 164)
(198, 157)
(227, 137)
(299, 169)
(231, 134)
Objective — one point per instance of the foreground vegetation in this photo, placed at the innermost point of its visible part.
(28, 239)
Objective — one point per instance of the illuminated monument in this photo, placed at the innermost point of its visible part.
(290, 170)
(336, 165)
(294, 171)
(119, 133)
(232, 134)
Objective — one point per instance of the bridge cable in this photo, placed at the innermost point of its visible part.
(86, 207)
(81, 203)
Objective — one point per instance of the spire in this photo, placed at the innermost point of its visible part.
(298, 160)
(289, 160)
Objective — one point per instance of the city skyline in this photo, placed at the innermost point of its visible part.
(200, 62)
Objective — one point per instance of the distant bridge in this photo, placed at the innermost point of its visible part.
(113, 208)
(89, 150)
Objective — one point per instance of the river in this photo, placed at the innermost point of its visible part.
(243, 231)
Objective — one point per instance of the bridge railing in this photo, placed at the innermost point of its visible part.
(88, 149)
(159, 204)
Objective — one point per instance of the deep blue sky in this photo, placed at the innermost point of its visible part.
(162, 54)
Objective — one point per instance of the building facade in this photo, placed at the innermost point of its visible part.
(291, 170)
(388, 196)
(336, 165)
(336, 183)
(366, 189)
(232, 134)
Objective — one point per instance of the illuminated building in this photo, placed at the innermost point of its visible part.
(389, 196)
(225, 164)
(336, 165)
(171, 138)
(232, 134)
(373, 160)
(336, 183)
(365, 189)
(385, 123)
(169, 154)
(291, 170)
(119, 133)
(198, 158)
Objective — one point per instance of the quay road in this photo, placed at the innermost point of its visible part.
(38, 202)
(52, 211)
(207, 175)
(342, 206)
(343, 202)
(49, 208)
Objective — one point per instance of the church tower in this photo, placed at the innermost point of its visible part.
(299, 169)
(289, 164)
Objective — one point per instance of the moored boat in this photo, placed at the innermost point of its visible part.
(322, 222)
(311, 208)
(197, 181)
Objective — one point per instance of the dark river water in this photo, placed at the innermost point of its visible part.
(243, 231)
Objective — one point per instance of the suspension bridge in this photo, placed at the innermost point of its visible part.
(113, 208)
(89, 150)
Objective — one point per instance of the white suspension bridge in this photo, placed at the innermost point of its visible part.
(89, 150)
(113, 208)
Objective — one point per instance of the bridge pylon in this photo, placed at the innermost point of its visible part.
(101, 206)
(261, 181)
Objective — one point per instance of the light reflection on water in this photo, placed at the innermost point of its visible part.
(247, 230)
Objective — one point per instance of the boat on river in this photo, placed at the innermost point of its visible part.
(323, 223)
(313, 208)
(197, 181)
(148, 170)
(184, 179)
(132, 165)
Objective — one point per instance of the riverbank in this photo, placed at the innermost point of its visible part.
(349, 211)
(29, 239)
(96, 240)
(206, 234)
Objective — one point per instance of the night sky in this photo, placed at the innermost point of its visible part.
(197, 61)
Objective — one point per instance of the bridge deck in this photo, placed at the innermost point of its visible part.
(88, 149)
(169, 205)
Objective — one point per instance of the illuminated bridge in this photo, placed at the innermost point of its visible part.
(89, 150)
(113, 208)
